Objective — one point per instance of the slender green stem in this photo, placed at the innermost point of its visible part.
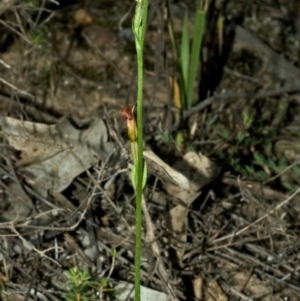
(139, 29)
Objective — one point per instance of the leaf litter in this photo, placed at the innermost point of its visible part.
(53, 155)
(67, 199)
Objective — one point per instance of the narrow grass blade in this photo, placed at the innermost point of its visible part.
(185, 59)
(195, 55)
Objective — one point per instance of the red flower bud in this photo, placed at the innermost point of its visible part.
(128, 115)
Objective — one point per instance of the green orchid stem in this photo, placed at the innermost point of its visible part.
(139, 29)
(134, 153)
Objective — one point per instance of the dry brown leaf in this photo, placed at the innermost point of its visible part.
(198, 288)
(183, 182)
(21, 205)
(214, 292)
(82, 17)
(162, 170)
(6, 4)
(35, 141)
(55, 154)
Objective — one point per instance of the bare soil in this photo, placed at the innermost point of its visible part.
(68, 65)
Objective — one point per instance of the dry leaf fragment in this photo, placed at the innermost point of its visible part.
(35, 141)
(82, 17)
(214, 292)
(184, 181)
(61, 153)
(198, 288)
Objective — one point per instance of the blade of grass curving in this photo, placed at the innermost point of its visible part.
(177, 60)
(195, 55)
(185, 60)
(171, 31)
(220, 31)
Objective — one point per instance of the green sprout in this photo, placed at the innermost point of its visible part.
(247, 119)
(32, 3)
(80, 286)
(37, 37)
(189, 56)
(188, 60)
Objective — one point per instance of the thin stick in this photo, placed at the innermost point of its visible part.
(259, 219)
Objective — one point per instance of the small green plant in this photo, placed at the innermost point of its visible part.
(32, 3)
(189, 59)
(80, 286)
(190, 56)
(247, 119)
(224, 133)
(37, 37)
(187, 62)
